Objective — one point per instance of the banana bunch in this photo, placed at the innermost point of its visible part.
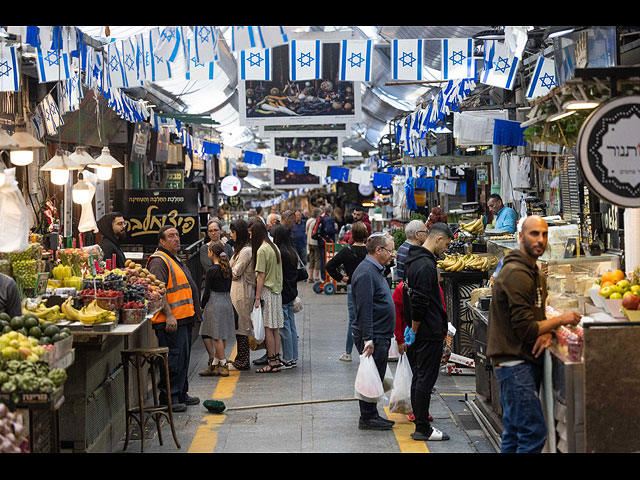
(89, 314)
(457, 263)
(474, 227)
(44, 313)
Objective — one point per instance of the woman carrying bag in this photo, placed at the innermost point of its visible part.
(243, 290)
(267, 264)
(288, 334)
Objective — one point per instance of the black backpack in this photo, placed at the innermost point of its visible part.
(318, 231)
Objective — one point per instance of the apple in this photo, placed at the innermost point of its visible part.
(635, 289)
(623, 285)
(615, 296)
(630, 301)
(606, 291)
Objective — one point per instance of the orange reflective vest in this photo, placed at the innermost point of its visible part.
(178, 291)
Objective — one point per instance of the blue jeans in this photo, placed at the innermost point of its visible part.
(525, 430)
(289, 334)
(352, 315)
(179, 343)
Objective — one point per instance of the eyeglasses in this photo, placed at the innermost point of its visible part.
(391, 252)
(421, 231)
(122, 224)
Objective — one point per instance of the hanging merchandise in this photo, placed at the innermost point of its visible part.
(87, 222)
(14, 234)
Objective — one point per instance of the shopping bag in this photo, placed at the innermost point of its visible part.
(258, 324)
(394, 353)
(400, 398)
(297, 305)
(387, 381)
(368, 386)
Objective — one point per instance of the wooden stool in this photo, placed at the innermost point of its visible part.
(138, 357)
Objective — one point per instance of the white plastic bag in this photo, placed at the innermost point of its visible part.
(258, 324)
(14, 234)
(394, 353)
(387, 381)
(400, 398)
(368, 385)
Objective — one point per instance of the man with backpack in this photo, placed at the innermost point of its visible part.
(324, 232)
(427, 322)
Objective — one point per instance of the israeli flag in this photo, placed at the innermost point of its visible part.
(157, 66)
(246, 37)
(406, 59)
(198, 69)
(51, 115)
(457, 58)
(38, 122)
(130, 61)
(500, 65)
(52, 65)
(543, 79)
(205, 44)
(9, 70)
(69, 95)
(305, 59)
(169, 43)
(95, 68)
(355, 60)
(115, 74)
(255, 64)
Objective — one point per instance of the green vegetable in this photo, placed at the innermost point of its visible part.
(45, 384)
(8, 387)
(4, 377)
(58, 376)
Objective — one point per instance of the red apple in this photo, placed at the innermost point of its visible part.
(630, 301)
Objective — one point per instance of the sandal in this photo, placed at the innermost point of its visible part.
(271, 367)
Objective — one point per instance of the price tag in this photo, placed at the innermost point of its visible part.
(41, 283)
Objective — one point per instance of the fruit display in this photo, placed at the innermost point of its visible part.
(471, 261)
(17, 346)
(475, 227)
(43, 331)
(437, 215)
(42, 312)
(13, 431)
(137, 275)
(614, 285)
(28, 377)
(90, 314)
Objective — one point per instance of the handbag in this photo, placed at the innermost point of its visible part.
(301, 271)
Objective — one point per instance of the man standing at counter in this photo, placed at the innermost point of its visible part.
(518, 333)
(505, 218)
(173, 323)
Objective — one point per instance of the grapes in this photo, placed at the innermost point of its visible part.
(134, 293)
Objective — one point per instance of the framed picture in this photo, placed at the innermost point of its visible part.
(285, 102)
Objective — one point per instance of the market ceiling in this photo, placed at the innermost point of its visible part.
(382, 101)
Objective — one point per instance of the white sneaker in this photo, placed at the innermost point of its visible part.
(345, 357)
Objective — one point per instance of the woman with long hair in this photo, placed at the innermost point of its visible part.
(288, 334)
(243, 289)
(218, 323)
(267, 264)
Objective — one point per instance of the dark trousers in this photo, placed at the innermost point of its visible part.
(179, 344)
(380, 356)
(424, 358)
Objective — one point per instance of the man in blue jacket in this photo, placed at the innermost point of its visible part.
(328, 235)
(427, 320)
(505, 217)
(375, 317)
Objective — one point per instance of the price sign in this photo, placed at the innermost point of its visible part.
(41, 283)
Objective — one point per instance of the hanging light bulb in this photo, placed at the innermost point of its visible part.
(59, 167)
(104, 164)
(27, 143)
(80, 193)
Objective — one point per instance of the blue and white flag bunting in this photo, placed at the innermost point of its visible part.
(157, 66)
(198, 69)
(130, 59)
(169, 43)
(95, 67)
(340, 174)
(295, 166)
(9, 69)
(255, 64)
(407, 59)
(51, 114)
(305, 60)
(355, 60)
(457, 58)
(52, 65)
(543, 79)
(205, 43)
(253, 158)
(69, 95)
(38, 122)
(500, 65)
(243, 37)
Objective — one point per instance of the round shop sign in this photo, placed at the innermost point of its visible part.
(365, 190)
(609, 151)
(230, 185)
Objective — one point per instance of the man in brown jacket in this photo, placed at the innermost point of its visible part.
(518, 333)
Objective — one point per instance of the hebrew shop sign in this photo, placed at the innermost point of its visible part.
(609, 151)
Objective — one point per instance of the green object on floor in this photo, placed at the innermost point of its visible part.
(214, 406)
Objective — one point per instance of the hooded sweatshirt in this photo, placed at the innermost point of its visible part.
(517, 305)
(109, 242)
(423, 299)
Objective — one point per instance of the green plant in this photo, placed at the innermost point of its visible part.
(399, 237)
(418, 216)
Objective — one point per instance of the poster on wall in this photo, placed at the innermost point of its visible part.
(282, 101)
(140, 142)
(147, 210)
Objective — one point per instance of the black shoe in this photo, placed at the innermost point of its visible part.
(375, 423)
(262, 360)
(390, 422)
(191, 400)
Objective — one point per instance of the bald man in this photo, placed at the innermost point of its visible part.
(518, 333)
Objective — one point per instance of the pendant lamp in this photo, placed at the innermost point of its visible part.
(27, 143)
(104, 164)
(81, 156)
(81, 192)
(59, 167)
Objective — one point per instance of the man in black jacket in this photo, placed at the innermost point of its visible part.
(427, 319)
(113, 229)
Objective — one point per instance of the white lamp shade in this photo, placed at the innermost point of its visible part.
(81, 157)
(104, 173)
(59, 176)
(105, 160)
(21, 157)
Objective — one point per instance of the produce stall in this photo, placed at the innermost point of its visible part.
(60, 373)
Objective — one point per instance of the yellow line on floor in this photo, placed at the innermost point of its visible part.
(206, 437)
(402, 430)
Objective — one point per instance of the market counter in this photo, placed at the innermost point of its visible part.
(92, 419)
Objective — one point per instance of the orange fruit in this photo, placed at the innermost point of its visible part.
(607, 277)
(618, 275)
(607, 284)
